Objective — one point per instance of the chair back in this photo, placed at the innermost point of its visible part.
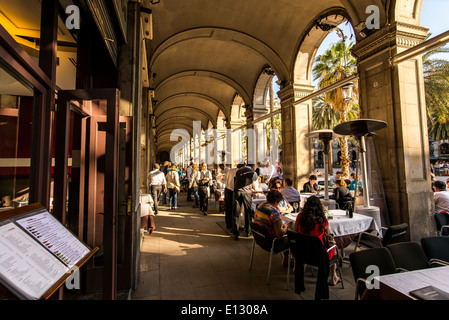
(261, 236)
(310, 250)
(408, 255)
(306, 248)
(442, 219)
(361, 260)
(395, 234)
(436, 247)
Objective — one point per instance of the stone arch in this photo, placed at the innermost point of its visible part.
(310, 42)
(195, 95)
(190, 74)
(261, 91)
(229, 35)
(221, 120)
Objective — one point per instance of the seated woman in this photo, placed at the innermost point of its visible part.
(311, 186)
(341, 194)
(311, 220)
(268, 216)
(353, 182)
(284, 206)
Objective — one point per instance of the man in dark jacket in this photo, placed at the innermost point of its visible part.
(244, 180)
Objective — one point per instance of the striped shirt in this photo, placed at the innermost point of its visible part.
(266, 215)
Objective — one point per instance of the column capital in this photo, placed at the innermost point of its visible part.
(291, 93)
(398, 36)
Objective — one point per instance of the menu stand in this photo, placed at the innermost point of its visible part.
(37, 253)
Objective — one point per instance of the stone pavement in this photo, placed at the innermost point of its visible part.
(191, 257)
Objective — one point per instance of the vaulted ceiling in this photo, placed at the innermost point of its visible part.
(205, 52)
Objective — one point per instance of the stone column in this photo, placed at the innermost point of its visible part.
(261, 141)
(297, 150)
(396, 95)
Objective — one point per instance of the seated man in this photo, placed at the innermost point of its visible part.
(311, 186)
(441, 196)
(290, 193)
(338, 176)
(341, 194)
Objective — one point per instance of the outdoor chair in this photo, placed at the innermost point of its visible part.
(267, 243)
(437, 250)
(442, 222)
(408, 256)
(392, 234)
(309, 250)
(361, 260)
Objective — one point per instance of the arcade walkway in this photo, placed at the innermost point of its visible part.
(191, 257)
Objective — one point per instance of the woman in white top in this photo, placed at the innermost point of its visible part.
(173, 186)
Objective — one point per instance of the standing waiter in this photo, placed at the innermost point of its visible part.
(229, 197)
(158, 184)
(205, 178)
(244, 182)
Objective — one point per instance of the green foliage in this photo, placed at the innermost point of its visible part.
(436, 81)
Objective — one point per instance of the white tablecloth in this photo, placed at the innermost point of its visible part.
(404, 282)
(341, 225)
(260, 200)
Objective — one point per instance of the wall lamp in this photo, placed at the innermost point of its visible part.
(347, 91)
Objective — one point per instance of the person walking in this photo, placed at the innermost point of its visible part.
(173, 186)
(193, 184)
(204, 180)
(165, 169)
(189, 172)
(245, 178)
(158, 185)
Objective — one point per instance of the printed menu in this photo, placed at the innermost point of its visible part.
(36, 252)
(25, 266)
(54, 236)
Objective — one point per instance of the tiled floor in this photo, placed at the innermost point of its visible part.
(191, 257)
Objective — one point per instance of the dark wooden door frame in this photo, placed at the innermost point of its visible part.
(65, 104)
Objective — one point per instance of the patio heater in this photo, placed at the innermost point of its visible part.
(360, 129)
(326, 137)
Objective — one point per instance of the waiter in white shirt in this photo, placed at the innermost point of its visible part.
(157, 183)
(269, 171)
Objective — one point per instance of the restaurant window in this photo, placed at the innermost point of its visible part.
(16, 115)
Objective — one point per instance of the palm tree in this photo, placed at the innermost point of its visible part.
(334, 65)
(324, 116)
(436, 81)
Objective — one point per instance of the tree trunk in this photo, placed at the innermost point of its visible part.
(344, 159)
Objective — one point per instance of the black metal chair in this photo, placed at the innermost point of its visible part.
(267, 243)
(408, 256)
(362, 264)
(437, 250)
(392, 234)
(310, 250)
(442, 222)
